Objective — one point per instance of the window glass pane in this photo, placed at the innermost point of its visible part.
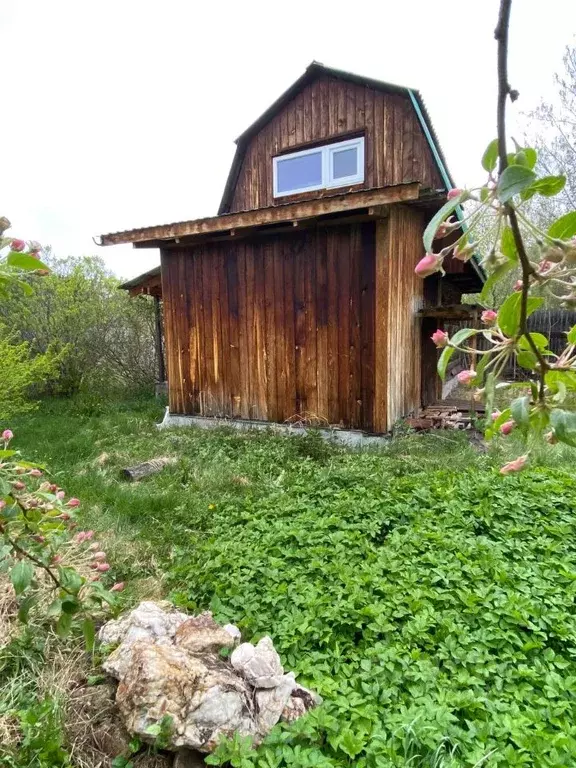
(299, 172)
(345, 163)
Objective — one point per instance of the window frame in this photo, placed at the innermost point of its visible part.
(327, 151)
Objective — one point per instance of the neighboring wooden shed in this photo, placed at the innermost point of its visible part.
(299, 300)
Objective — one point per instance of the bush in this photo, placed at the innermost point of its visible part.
(77, 309)
(21, 373)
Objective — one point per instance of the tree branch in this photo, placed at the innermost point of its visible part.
(504, 90)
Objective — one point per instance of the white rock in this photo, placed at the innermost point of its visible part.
(169, 664)
(271, 702)
(258, 664)
(148, 621)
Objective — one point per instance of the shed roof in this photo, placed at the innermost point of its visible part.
(314, 70)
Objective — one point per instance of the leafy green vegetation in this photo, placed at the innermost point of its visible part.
(427, 598)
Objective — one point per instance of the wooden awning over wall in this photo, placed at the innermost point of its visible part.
(149, 283)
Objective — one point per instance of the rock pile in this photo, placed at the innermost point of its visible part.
(171, 664)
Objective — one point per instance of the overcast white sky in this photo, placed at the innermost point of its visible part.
(122, 113)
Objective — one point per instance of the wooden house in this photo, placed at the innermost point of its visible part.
(299, 301)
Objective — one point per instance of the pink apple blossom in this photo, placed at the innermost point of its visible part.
(466, 377)
(17, 245)
(514, 466)
(429, 264)
(489, 317)
(7, 435)
(507, 427)
(60, 495)
(495, 415)
(518, 285)
(440, 338)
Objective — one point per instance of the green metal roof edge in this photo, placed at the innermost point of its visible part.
(443, 171)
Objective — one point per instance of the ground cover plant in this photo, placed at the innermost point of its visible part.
(429, 599)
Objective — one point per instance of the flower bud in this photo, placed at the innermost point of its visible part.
(453, 193)
(118, 587)
(544, 266)
(518, 285)
(17, 245)
(489, 317)
(507, 427)
(103, 567)
(18, 485)
(56, 559)
(429, 264)
(39, 538)
(495, 415)
(60, 495)
(7, 435)
(464, 252)
(466, 377)
(440, 338)
(551, 438)
(34, 247)
(35, 472)
(514, 466)
(53, 487)
(99, 556)
(64, 516)
(73, 502)
(2, 504)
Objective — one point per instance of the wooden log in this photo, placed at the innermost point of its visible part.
(147, 468)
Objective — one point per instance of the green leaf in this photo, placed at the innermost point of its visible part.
(498, 273)
(70, 605)
(89, 631)
(351, 743)
(563, 228)
(24, 261)
(509, 312)
(439, 217)
(572, 335)
(21, 576)
(494, 427)
(25, 607)
(490, 156)
(512, 181)
(447, 352)
(566, 378)
(564, 426)
(70, 580)
(64, 624)
(548, 186)
(531, 156)
(508, 245)
(539, 340)
(527, 359)
(520, 410)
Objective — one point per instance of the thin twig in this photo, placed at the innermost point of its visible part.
(37, 562)
(504, 90)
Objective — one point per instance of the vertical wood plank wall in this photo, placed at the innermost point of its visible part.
(399, 295)
(396, 150)
(274, 328)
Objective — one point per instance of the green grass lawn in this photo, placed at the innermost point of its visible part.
(427, 598)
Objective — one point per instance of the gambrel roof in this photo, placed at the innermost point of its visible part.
(313, 71)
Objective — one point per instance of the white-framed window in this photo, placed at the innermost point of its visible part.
(331, 165)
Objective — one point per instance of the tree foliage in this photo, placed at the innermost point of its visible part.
(104, 338)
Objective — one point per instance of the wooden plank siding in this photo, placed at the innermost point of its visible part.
(399, 295)
(274, 328)
(396, 150)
